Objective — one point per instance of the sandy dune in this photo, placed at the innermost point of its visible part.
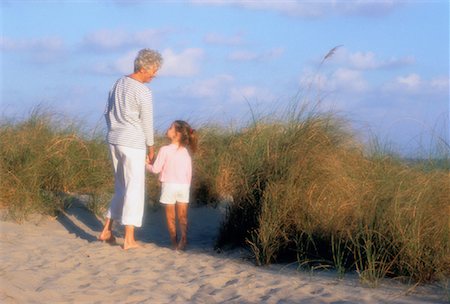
(60, 261)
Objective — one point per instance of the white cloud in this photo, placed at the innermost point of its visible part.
(411, 81)
(186, 63)
(106, 39)
(122, 65)
(299, 8)
(440, 83)
(49, 44)
(244, 92)
(112, 39)
(251, 94)
(125, 63)
(369, 60)
(415, 84)
(224, 88)
(406, 84)
(346, 81)
(245, 55)
(40, 50)
(366, 7)
(183, 64)
(216, 38)
(363, 60)
(285, 7)
(211, 88)
(349, 80)
(274, 53)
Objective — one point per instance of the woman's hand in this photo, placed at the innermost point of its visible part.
(150, 155)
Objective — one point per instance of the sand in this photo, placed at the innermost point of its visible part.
(60, 261)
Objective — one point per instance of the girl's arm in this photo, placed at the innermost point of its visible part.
(159, 162)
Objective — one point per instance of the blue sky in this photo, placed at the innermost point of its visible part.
(389, 77)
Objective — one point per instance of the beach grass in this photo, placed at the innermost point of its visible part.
(299, 188)
(304, 188)
(44, 158)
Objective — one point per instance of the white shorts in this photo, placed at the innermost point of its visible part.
(172, 193)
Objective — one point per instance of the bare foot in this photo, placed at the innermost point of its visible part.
(173, 241)
(131, 245)
(107, 236)
(182, 245)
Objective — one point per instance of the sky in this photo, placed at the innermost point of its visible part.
(387, 73)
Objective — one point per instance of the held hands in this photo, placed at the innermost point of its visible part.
(149, 158)
(150, 155)
(148, 164)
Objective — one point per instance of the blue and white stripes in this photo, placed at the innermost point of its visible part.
(129, 114)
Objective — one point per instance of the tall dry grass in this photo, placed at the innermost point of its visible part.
(211, 174)
(44, 157)
(303, 188)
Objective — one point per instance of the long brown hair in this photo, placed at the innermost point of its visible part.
(188, 137)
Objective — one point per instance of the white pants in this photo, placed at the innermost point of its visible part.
(127, 204)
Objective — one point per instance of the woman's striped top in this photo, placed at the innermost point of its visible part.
(129, 114)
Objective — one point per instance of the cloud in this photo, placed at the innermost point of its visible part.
(309, 9)
(349, 80)
(351, 90)
(122, 65)
(186, 63)
(115, 39)
(405, 109)
(125, 63)
(343, 80)
(405, 84)
(245, 55)
(36, 44)
(40, 50)
(216, 38)
(369, 8)
(249, 93)
(440, 83)
(211, 88)
(224, 89)
(241, 94)
(411, 81)
(417, 85)
(369, 60)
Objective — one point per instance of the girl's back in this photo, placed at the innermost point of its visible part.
(174, 163)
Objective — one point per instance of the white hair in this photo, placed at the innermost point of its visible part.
(147, 58)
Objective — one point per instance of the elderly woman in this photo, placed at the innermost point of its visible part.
(129, 118)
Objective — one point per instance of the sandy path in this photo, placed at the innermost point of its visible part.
(60, 261)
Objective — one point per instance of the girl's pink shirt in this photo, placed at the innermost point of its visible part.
(174, 165)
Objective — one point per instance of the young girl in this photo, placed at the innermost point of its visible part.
(174, 164)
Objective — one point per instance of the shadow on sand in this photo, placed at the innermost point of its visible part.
(203, 222)
(77, 219)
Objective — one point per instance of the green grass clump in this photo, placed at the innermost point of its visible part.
(43, 158)
(304, 189)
